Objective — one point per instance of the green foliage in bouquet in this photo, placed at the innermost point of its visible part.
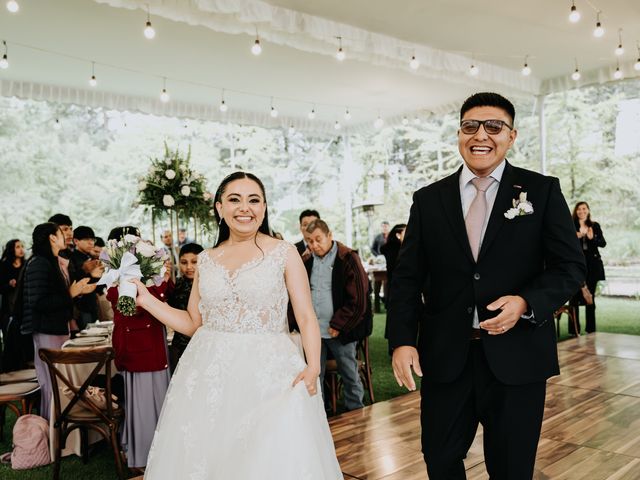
(171, 184)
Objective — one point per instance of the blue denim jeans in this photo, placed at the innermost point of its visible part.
(345, 356)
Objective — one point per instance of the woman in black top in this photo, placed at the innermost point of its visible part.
(391, 250)
(590, 236)
(47, 305)
(11, 264)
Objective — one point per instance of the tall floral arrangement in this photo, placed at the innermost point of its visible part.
(172, 187)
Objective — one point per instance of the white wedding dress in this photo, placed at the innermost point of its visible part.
(230, 411)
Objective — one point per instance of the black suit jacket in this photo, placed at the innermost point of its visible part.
(436, 283)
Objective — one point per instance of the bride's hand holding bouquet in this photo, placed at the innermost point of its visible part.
(131, 258)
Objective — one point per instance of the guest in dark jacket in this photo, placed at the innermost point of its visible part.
(11, 264)
(391, 248)
(83, 265)
(340, 297)
(179, 298)
(141, 356)
(47, 301)
(590, 236)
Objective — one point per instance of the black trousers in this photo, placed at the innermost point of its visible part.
(511, 416)
(590, 310)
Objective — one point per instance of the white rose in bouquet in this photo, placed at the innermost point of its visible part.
(185, 190)
(131, 238)
(170, 174)
(168, 201)
(145, 249)
(142, 185)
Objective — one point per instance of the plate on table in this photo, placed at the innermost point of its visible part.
(85, 341)
(93, 332)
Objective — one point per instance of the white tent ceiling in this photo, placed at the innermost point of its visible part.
(202, 46)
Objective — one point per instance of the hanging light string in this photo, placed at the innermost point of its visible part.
(175, 80)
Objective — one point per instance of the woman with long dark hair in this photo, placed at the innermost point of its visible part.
(590, 236)
(242, 393)
(47, 301)
(11, 264)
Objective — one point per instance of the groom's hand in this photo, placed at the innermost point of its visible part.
(405, 358)
(512, 307)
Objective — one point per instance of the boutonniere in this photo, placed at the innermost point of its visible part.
(521, 206)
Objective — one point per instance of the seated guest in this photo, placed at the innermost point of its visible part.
(179, 298)
(339, 293)
(47, 301)
(141, 356)
(305, 218)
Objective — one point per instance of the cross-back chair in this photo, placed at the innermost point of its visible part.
(82, 412)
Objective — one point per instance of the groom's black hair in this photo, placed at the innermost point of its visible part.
(488, 99)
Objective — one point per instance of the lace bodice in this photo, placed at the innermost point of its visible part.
(251, 299)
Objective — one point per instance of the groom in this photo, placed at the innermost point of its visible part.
(489, 254)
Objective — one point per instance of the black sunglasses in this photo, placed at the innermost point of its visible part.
(492, 127)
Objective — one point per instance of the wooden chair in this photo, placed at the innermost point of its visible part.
(570, 310)
(87, 415)
(26, 394)
(333, 382)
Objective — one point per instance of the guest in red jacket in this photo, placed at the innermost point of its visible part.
(141, 356)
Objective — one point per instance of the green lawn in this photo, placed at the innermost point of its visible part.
(614, 315)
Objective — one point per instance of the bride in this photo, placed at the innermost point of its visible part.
(243, 404)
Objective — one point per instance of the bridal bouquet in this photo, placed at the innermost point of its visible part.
(127, 259)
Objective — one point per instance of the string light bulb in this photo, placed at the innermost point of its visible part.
(576, 73)
(636, 66)
(4, 61)
(13, 6)
(149, 32)
(379, 122)
(340, 55)
(526, 69)
(337, 125)
(574, 14)
(619, 49)
(256, 48)
(473, 70)
(164, 95)
(598, 32)
(57, 125)
(92, 81)
(292, 130)
(416, 120)
(223, 106)
(618, 75)
(274, 110)
(405, 121)
(312, 114)
(414, 63)
(347, 115)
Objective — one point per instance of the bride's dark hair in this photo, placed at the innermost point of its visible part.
(223, 228)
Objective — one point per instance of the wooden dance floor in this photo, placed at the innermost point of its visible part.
(591, 427)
